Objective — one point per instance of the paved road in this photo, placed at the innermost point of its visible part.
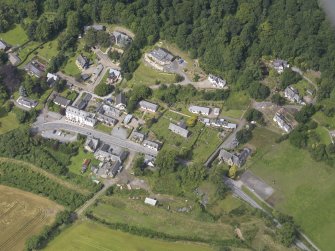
(105, 60)
(110, 139)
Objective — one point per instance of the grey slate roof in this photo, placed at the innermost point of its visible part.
(233, 158)
(179, 130)
(120, 99)
(33, 70)
(82, 61)
(148, 106)
(59, 100)
(161, 55)
(3, 45)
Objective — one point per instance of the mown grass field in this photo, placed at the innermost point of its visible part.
(15, 37)
(144, 75)
(237, 101)
(77, 161)
(22, 214)
(8, 121)
(323, 120)
(303, 187)
(48, 50)
(87, 236)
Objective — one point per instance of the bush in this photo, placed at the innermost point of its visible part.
(259, 91)
(243, 136)
(103, 89)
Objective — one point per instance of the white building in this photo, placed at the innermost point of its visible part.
(151, 145)
(216, 81)
(25, 102)
(280, 65)
(80, 117)
(199, 110)
(151, 202)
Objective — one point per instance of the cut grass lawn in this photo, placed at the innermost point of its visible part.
(71, 68)
(303, 187)
(87, 235)
(77, 161)
(48, 50)
(23, 214)
(103, 128)
(8, 121)
(144, 75)
(15, 37)
(323, 134)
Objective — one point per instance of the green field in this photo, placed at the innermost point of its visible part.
(8, 121)
(103, 128)
(86, 236)
(304, 188)
(144, 75)
(15, 37)
(28, 48)
(323, 134)
(71, 68)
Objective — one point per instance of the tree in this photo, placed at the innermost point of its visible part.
(21, 115)
(3, 57)
(232, 171)
(305, 113)
(166, 161)
(277, 99)
(259, 91)
(298, 138)
(254, 115)
(286, 234)
(243, 136)
(103, 89)
(289, 77)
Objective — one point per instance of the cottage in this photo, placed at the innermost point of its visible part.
(107, 120)
(14, 59)
(121, 39)
(85, 76)
(199, 110)
(3, 45)
(151, 145)
(91, 144)
(233, 158)
(25, 102)
(83, 102)
(82, 62)
(292, 94)
(107, 153)
(109, 111)
(137, 137)
(61, 101)
(147, 106)
(179, 130)
(280, 119)
(33, 68)
(51, 79)
(216, 81)
(280, 65)
(81, 117)
(151, 202)
(120, 101)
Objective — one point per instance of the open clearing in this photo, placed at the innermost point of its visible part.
(87, 235)
(303, 187)
(15, 37)
(144, 75)
(8, 122)
(22, 214)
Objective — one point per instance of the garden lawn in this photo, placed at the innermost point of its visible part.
(303, 187)
(144, 75)
(71, 68)
(323, 134)
(171, 139)
(206, 144)
(49, 50)
(87, 235)
(77, 161)
(8, 121)
(103, 128)
(15, 37)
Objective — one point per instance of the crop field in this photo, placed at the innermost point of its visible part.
(87, 235)
(144, 75)
(16, 36)
(303, 187)
(22, 214)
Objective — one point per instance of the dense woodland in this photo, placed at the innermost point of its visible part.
(229, 36)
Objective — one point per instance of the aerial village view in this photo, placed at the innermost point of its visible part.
(166, 125)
